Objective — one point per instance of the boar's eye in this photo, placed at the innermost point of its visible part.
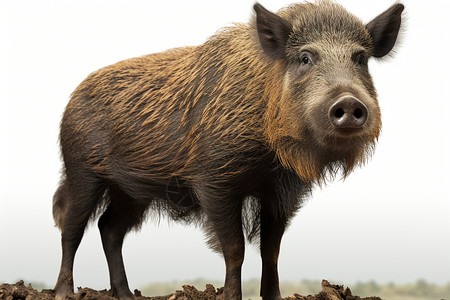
(305, 60)
(360, 59)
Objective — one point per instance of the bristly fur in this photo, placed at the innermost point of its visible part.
(230, 135)
(153, 114)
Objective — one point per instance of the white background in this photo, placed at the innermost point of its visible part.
(389, 221)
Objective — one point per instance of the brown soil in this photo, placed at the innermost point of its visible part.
(20, 291)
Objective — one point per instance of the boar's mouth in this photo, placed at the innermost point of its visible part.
(344, 139)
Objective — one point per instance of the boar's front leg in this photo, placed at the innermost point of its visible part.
(225, 232)
(272, 229)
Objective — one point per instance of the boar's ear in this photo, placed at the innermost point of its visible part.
(384, 29)
(273, 32)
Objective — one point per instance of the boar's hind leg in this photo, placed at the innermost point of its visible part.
(225, 224)
(122, 214)
(74, 203)
(272, 229)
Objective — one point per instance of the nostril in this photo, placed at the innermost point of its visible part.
(358, 113)
(339, 113)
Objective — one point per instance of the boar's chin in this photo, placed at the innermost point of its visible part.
(317, 162)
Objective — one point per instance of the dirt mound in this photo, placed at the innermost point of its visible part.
(19, 291)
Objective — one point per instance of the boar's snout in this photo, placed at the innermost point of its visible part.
(348, 113)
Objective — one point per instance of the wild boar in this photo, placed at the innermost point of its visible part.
(231, 134)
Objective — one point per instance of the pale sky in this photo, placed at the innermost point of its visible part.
(389, 221)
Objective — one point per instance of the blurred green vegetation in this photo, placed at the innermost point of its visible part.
(420, 290)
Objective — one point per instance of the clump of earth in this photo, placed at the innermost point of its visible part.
(19, 291)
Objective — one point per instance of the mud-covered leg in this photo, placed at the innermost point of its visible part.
(120, 216)
(74, 203)
(272, 229)
(225, 224)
